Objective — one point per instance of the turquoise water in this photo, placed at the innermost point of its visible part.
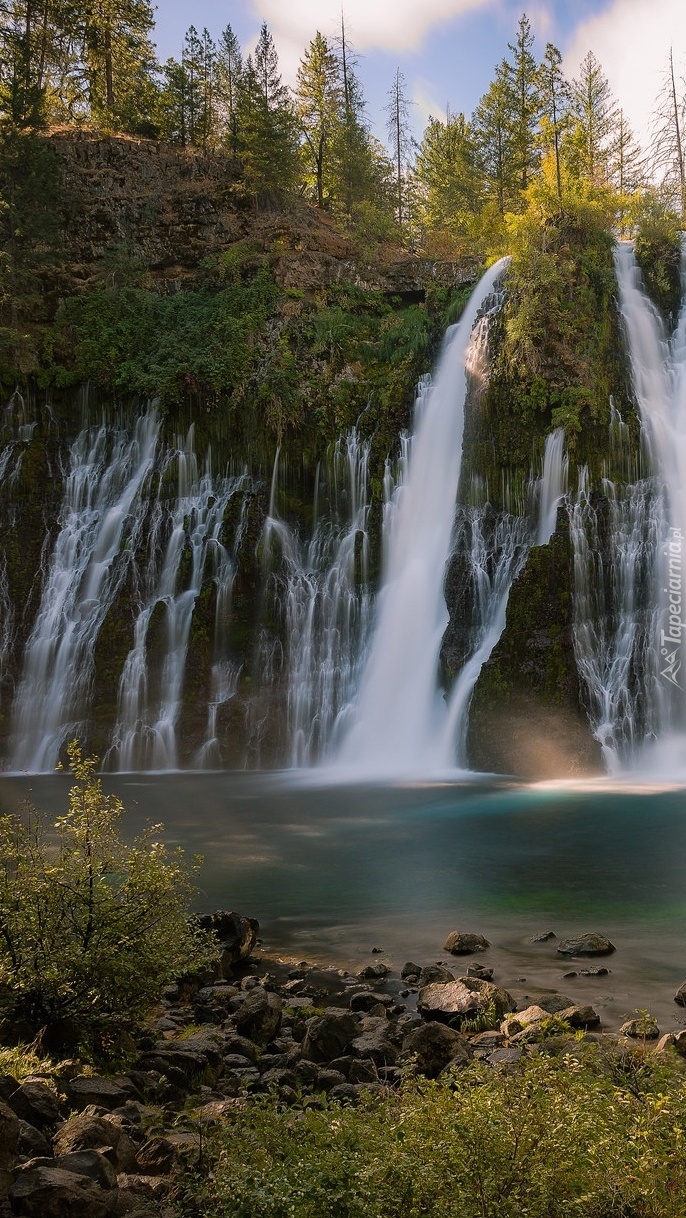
(331, 872)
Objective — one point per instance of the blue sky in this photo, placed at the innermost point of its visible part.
(447, 49)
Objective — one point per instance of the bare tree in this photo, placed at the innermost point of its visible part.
(667, 151)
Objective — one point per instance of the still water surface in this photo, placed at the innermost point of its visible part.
(332, 871)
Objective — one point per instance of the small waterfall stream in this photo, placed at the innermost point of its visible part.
(628, 563)
(84, 571)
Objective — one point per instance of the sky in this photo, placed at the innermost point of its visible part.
(447, 49)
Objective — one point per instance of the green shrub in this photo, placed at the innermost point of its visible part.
(554, 1139)
(89, 923)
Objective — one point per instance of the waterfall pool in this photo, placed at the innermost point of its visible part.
(333, 871)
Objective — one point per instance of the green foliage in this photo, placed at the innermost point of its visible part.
(658, 250)
(88, 922)
(199, 343)
(552, 1139)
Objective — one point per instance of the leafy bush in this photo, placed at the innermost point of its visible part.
(88, 922)
(553, 1139)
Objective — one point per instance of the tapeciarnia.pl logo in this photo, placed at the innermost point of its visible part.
(670, 639)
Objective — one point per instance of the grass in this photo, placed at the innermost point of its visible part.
(598, 1133)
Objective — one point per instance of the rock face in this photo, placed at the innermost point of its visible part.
(9, 1139)
(527, 713)
(466, 998)
(591, 944)
(176, 206)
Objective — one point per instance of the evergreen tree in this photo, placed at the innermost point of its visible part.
(320, 110)
(556, 100)
(526, 104)
(668, 150)
(27, 35)
(446, 178)
(493, 135)
(227, 83)
(594, 112)
(118, 61)
(269, 149)
(398, 126)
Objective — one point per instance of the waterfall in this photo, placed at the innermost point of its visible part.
(82, 576)
(495, 548)
(553, 484)
(657, 512)
(398, 725)
(145, 735)
(321, 593)
(615, 540)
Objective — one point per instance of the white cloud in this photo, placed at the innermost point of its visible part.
(425, 104)
(386, 25)
(632, 40)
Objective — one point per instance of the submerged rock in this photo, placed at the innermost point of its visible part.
(592, 944)
(461, 943)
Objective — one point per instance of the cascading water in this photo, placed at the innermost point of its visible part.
(145, 734)
(398, 725)
(615, 540)
(553, 484)
(84, 572)
(628, 567)
(321, 591)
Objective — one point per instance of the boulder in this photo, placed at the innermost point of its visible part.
(51, 1192)
(591, 944)
(235, 935)
(465, 998)
(102, 1133)
(580, 1017)
(553, 1003)
(641, 1028)
(410, 970)
(37, 1104)
(368, 1001)
(259, 1016)
(460, 943)
(543, 937)
(9, 1141)
(374, 1042)
(680, 995)
(434, 972)
(329, 1035)
(434, 1046)
(104, 1092)
(523, 1019)
(374, 972)
(32, 1143)
(91, 1163)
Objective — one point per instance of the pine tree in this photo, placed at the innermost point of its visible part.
(595, 114)
(493, 135)
(526, 103)
(26, 38)
(228, 74)
(269, 150)
(668, 150)
(556, 100)
(118, 61)
(446, 178)
(319, 102)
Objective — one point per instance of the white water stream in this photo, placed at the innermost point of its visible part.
(400, 722)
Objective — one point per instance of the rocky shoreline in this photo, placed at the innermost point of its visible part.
(78, 1144)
